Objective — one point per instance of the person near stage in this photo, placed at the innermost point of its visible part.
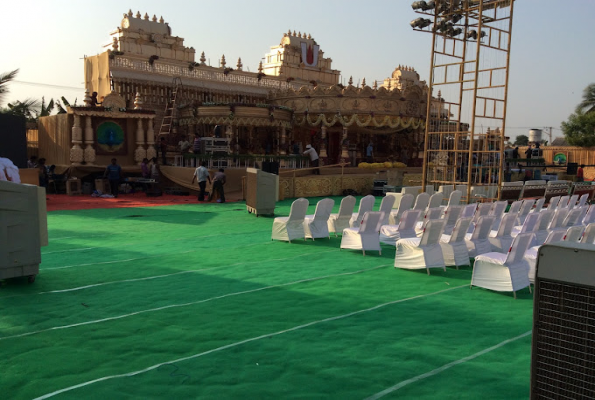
(184, 145)
(201, 175)
(580, 174)
(528, 152)
(32, 162)
(163, 149)
(94, 101)
(314, 160)
(154, 169)
(515, 153)
(196, 145)
(370, 153)
(218, 181)
(113, 172)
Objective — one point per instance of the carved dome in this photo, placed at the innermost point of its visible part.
(408, 74)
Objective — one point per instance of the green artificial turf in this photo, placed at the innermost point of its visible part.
(196, 301)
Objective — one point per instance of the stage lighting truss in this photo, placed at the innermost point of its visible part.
(464, 138)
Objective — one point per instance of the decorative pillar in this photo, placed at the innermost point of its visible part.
(89, 150)
(283, 138)
(323, 142)
(140, 151)
(151, 152)
(345, 145)
(76, 152)
(278, 141)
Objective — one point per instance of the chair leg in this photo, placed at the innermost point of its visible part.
(364, 251)
(514, 294)
(445, 268)
(428, 271)
(530, 289)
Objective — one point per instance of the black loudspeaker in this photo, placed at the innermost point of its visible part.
(571, 168)
(14, 139)
(271, 167)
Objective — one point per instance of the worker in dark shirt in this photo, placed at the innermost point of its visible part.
(113, 173)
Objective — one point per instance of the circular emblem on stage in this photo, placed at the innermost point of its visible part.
(560, 158)
(110, 136)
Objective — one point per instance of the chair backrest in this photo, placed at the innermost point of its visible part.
(347, 206)
(432, 213)
(572, 201)
(526, 207)
(435, 200)
(371, 222)
(539, 205)
(298, 210)
(558, 219)
(413, 190)
(365, 204)
(553, 204)
(409, 219)
(422, 201)
(574, 233)
(386, 205)
(519, 247)
(555, 236)
(545, 220)
(583, 200)
(452, 214)
(531, 223)
(589, 234)
(324, 208)
(455, 198)
(482, 228)
(460, 230)
(506, 225)
(432, 232)
(564, 202)
(590, 217)
(498, 208)
(469, 210)
(483, 210)
(406, 202)
(516, 206)
(430, 189)
(574, 217)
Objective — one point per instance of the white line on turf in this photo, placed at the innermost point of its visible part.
(75, 237)
(189, 304)
(444, 367)
(253, 339)
(149, 257)
(179, 273)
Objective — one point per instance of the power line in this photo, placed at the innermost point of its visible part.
(49, 85)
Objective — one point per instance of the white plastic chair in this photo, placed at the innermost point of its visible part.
(424, 252)
(574, 234)
(292, 227)
(389, 234)
(446, 191)
(366, 204)
(422, 201)
(386, 206)
(515, 207)
(572, 201)
(574, 217)
(553, 204)
(564, 202)
(504, 272)
(582, 201)
(531, 253)
(316, 226)
(589, 234)
(590, 217)
(558, 220)
(497, 211)
(502, 239)
(404, 205)
(483, 210)
(478, 242)
(455, 198)
(469, 210)
(435, 200)
(338, 222)
(454, 248)
(451, 216)
(542, 232)
(525, 210)
(538, 205)
(364, 237)
(531, 224)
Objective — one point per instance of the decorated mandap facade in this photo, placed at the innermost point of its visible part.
(293, 100)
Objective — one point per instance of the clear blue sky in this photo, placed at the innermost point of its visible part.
(552, 57)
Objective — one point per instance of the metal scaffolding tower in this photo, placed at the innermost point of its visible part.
(465, 122)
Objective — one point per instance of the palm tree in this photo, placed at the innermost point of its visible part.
(588, 103)
(5, 78)
(28, 109)
(46, 111)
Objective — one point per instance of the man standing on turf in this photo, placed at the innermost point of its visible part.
(218, 181)
(113, 172)
(201, 175)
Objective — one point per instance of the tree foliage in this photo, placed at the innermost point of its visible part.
(588, 103)
(5, 78)
(579, 130)
(521, 140)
